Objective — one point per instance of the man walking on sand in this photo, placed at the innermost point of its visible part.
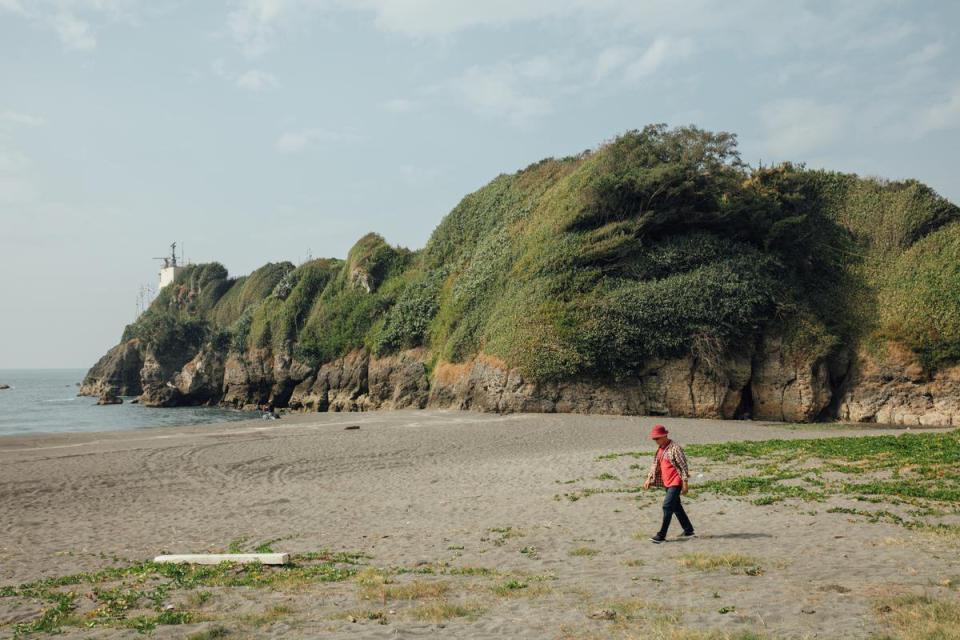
(669, 470)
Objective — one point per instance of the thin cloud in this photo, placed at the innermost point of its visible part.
(799, 126)
(938, 117)
(74, 21)
(611, 59)
(74, 33)
(297, 141)
(501, 91)
(254, 24)
(927, 54)
(399, 105)
(23, 119)
(661, 51)
(13, 6)
(12, 161)
(257, 81)
(420, 18)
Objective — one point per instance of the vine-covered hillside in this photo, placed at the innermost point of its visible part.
(657, 244)
(655, 274)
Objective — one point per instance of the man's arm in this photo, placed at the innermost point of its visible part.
(680, 462)
(651, 474)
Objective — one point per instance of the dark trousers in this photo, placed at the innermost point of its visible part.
(671, 505)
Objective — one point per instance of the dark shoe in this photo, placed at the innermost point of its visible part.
(657, 539)
(688, 534)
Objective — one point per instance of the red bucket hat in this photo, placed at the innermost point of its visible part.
(658, 431)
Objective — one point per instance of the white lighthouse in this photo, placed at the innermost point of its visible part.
(170, 268)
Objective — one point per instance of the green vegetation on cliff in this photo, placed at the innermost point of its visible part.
(660, 243)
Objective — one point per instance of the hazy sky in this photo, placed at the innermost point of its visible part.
(265, 130)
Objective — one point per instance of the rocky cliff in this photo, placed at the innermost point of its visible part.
(655, 275)
(762, 385)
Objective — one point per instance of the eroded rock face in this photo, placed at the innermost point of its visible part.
(787, 389)
(201, 380)
(682, 387)
(156, 380)
(691, 388)
(760, 382)
(892, 388)
(261, 376)
(398, 382)
(116, 373)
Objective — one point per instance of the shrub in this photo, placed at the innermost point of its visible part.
(920, 300)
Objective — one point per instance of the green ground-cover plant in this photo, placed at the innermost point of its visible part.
(119, 591)
(910, 468)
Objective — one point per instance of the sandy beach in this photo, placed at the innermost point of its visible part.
(513, 517)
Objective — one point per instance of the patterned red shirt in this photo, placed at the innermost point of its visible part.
(672, 454)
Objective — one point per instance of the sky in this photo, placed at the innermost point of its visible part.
(256, 131)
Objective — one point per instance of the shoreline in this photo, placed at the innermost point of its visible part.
(819, 429)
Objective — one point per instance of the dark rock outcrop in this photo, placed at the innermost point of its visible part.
(117, 373)
(108, 398)
(261, 377)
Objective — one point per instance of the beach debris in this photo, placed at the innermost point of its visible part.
(603, 614)
(217, 558)
(808, 610)
(352, 427)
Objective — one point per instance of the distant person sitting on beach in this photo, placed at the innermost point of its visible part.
(669, 470)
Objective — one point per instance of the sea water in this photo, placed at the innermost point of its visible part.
(46, 400)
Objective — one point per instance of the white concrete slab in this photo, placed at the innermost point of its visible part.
(217, 558)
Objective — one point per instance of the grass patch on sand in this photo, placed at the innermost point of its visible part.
(416, 590)
(915, 617)
(636, 619)
(646, 630)
(356, 615)
(920, 469)
(882, 515)
(733, 562)
(139, 595)
(442, 610)
(213, 633)
(585, 552)
(269, 616)
(500, 535)
(524, 585)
